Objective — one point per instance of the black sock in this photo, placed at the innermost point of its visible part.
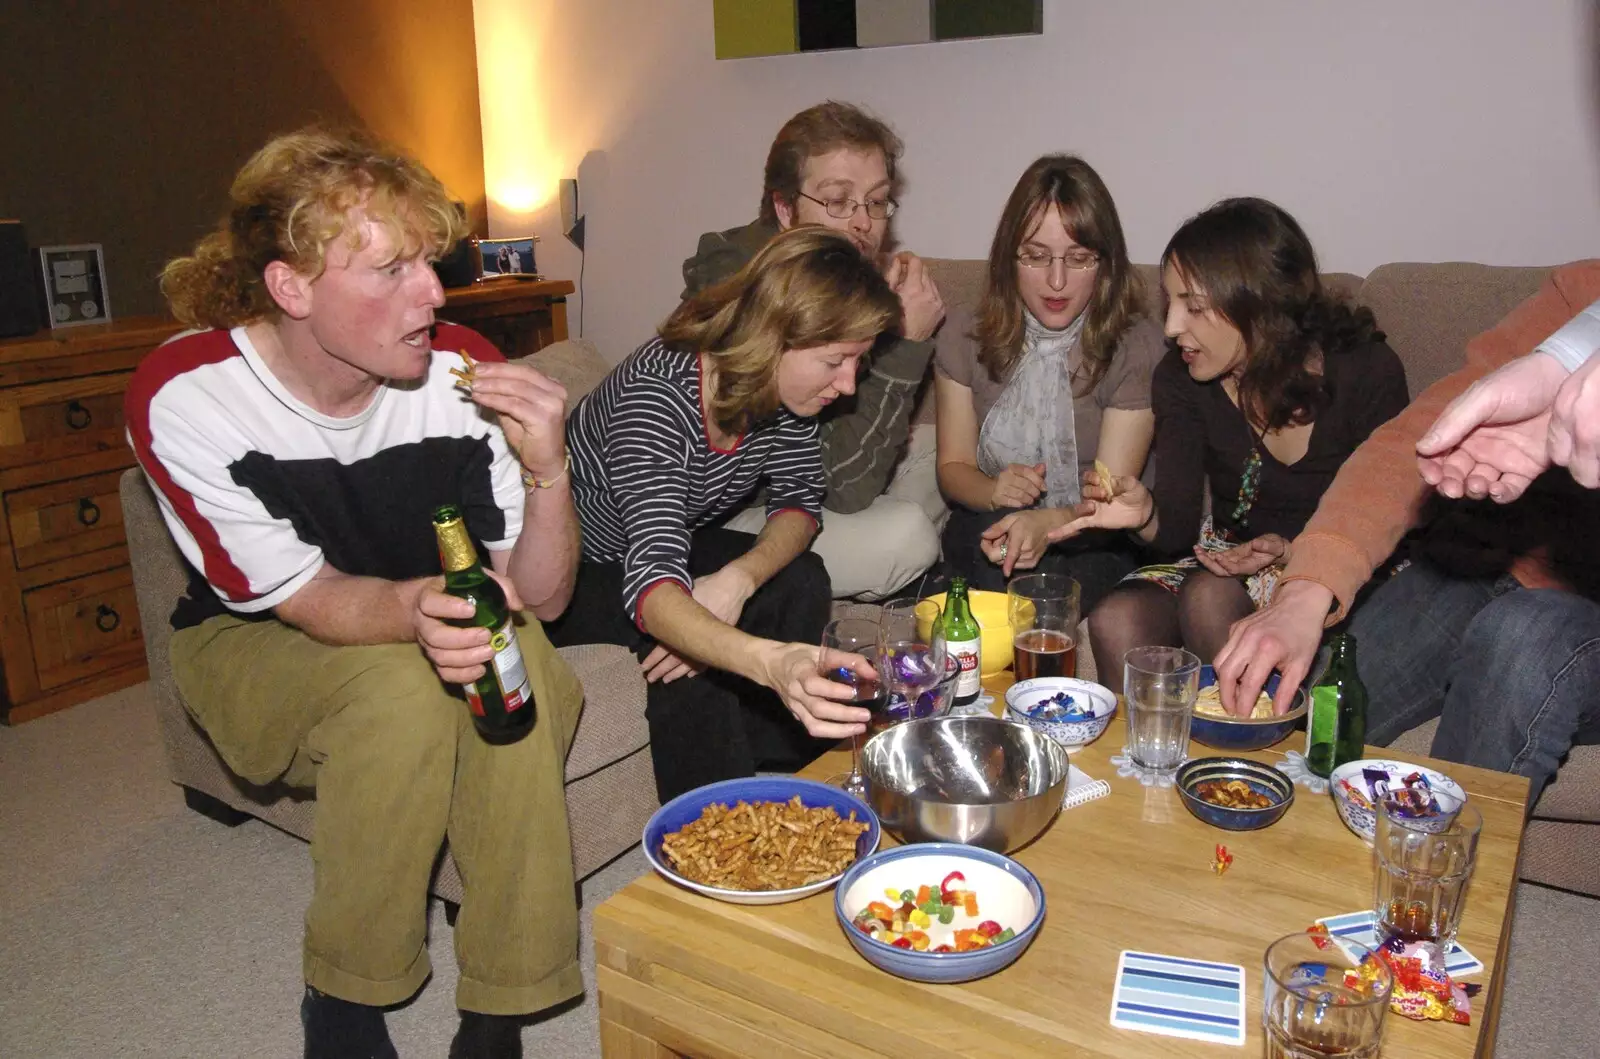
(488, 1037)
(341, 1029)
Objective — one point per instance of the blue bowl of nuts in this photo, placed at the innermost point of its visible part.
(1072, 712)
(1235, 794)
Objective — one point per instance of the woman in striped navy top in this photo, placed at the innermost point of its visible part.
(679, 435)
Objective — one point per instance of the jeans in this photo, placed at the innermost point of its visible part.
(1512, 673)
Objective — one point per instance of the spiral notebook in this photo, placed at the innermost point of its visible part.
(1081, 788)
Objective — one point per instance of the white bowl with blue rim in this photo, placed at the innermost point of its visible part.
(1073, 712)
(686, 808)
(1007, 893)
(1352, 792)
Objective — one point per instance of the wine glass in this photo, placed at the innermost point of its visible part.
(911, 650)
(841, 638)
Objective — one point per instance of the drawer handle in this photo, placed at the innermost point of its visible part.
(78, 416)
(88, 511)
(106, 619)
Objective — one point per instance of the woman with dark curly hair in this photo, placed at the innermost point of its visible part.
(1268, 385)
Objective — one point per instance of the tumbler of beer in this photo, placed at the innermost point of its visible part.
(1043, 609)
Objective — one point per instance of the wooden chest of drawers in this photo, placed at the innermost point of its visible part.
(69, 628)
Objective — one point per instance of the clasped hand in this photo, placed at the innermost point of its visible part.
(921, 305)
(459, 654)
(724, 594)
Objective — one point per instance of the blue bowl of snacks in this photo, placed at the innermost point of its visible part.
(835, 830)
(1072, 712)
(1215, 727)
(1235, 794)
(1358, 787)
(938, 911)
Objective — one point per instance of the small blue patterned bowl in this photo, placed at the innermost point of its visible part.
(1261, 778)
(1353, 798)
(1007, 893)
(1244, 733)
(1072, 712)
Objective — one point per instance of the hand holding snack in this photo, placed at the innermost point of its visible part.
(1245, 559)
(1127, 504)
(532, 408)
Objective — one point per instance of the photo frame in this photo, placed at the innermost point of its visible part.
(506, 258)
(75, 285)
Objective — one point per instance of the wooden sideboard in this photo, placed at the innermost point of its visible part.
(69, 624)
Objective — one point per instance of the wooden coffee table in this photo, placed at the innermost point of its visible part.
(681, 974)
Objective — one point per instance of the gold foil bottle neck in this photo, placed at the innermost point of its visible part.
(455, 547)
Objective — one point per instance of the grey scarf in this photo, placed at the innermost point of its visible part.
(1031, 421)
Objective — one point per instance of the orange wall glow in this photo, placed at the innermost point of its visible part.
(519, 165)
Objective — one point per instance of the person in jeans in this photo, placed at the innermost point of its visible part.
(1050, 374)
(835, 165)
(298, 443)
(1495, 629)
(722, 402)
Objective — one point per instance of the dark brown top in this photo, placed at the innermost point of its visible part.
(1201, 436)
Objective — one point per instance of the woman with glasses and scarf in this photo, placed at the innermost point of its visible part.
(1051, 373)
(1270, 383)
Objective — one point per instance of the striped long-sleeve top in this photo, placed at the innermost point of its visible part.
(645, 475)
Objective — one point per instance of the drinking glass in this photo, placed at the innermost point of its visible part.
(1309, 1011)
(911, 646)
(1424, 864)
(1043, 610)
(842, 638)
(1159, 686)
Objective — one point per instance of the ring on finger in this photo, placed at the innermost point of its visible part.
(1005, 549)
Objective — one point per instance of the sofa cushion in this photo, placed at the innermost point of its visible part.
(1430, 311)
(574, 363)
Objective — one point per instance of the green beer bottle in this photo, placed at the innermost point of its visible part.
(1336, 729)
(501, 700)
(961, 641)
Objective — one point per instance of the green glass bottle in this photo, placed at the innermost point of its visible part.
(501, 700)
(961, 641)
(1336, 727)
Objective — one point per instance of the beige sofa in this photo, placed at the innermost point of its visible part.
(611, 788)
(1429, 312)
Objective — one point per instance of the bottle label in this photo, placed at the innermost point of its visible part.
(1322, 726)
(508, 668)
(965, 652)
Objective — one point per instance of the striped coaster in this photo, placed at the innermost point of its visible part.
(1176, 997)
(1363, 927)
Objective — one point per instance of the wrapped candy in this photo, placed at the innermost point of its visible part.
(1423, 990)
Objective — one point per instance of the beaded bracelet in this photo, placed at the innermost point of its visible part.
(531, 483)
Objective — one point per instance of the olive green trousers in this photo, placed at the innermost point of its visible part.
(397, 767)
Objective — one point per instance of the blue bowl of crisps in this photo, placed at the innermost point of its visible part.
(1072, 712)
(1216, 729)
(1233, 793)
(1354, 784)
(959, 941)
(738, 865)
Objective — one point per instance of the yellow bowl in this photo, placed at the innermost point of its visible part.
(994, 628)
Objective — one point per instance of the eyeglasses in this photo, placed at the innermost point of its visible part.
(843, 209)
(1077, 259)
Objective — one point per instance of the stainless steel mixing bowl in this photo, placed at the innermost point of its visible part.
(979, 780)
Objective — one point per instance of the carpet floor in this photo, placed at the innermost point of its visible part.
(131, 927)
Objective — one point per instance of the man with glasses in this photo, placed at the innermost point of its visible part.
(834, 165)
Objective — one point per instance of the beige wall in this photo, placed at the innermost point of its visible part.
(1424, 130)
(123, 122)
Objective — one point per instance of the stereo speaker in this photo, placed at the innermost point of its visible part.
(20, 294)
